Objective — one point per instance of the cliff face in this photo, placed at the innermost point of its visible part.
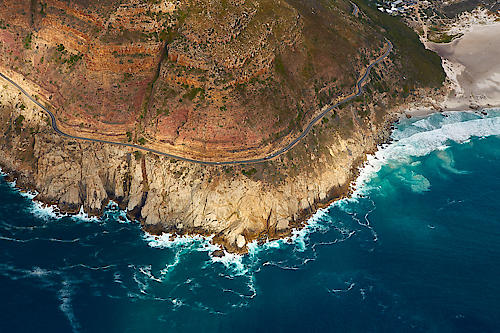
(211, 80)
(237, 204)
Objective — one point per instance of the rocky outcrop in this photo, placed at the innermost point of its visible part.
(237, 204)
(210, 80)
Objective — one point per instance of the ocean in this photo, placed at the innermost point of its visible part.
(415, 249)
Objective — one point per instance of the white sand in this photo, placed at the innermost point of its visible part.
(472, 64)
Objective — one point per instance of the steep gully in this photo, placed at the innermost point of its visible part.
(359, 91)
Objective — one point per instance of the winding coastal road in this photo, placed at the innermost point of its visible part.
(359, 91)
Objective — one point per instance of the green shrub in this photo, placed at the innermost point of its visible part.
(27, 41)
(19, 121)
(249, 173)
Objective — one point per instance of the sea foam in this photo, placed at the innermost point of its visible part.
(168, 240)
(46, 212)
(425, 136)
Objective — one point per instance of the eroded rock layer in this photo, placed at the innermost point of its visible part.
(204, 79)
(214, 80)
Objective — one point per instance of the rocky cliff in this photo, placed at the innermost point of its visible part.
(211, 80)
(238, 204)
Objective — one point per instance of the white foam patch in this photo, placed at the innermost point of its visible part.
(177, 303)
(82, 216)
(168, 240)
(233, 262)
(39, 272)
(46, 212)
(146, 270)
(114, 212)
(434, 137)
(170, 267)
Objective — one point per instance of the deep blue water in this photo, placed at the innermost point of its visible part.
(416, 249)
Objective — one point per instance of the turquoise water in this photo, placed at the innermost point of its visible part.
(417, 248)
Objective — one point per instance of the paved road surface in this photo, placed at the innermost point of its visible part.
(358, 92)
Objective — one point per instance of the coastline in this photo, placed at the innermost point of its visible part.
(464, 90)
(229, 244)
(300, 220)
(216, 250)
(169, 196)
(87, 258)
(135, 184)
(217, 247)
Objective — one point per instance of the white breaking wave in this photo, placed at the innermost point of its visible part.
(29, 194)
(82, 216)
(298, 237)
(37, 208)
(233, 262)
(46, 212)
(433, 135)
(421, 138)
(168, 240)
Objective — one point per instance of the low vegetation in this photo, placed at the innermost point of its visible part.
(419, 65)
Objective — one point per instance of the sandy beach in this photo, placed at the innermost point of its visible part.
(472, 64)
